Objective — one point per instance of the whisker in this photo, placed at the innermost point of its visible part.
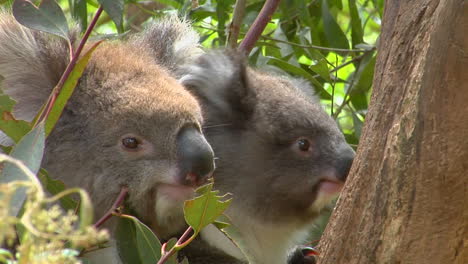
(220, 125)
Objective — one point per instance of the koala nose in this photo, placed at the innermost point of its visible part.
(344, 162)
(195, 155)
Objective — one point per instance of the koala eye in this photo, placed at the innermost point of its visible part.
(303, 144)
(130, 142)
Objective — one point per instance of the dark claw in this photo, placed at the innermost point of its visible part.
(302, 255)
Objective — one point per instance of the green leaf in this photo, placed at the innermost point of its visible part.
(301, 7)
(29, 150)
(364, 76)
(114, 8)
(136, 242)
(79, 12)
(356, 26)
(321, 68)
(48, 17)
(15, 129)
(67, 89)
(222, 12)
(333, 32)
(55, 187)
(204, 209)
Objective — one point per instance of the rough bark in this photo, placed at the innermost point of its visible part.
(406, 200)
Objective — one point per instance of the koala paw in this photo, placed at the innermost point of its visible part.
(302, 255)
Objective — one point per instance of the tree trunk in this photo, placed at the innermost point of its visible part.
(406, 200)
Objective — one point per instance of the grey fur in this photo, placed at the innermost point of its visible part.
(274, 185)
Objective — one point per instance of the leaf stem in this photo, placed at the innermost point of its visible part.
(180, 244)
(118, 202)
(69, 69)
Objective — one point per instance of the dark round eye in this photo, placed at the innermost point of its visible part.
(130, 142)
(303, 144)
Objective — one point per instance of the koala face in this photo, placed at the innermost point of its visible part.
(279, 154)
(128, 123)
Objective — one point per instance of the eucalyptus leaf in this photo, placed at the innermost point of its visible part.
(335, 36)
(55, 187)
(48, 17)
(136, 241)
(204, 209)
(29, 150)
(356, 26)
(114, 8)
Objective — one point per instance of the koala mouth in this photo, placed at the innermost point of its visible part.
(176, 192)
(330, 186)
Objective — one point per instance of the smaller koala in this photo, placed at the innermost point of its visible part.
(279, 154)
(128, 123)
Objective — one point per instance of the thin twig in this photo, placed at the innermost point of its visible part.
(181, 242)
(313, 46)
(234, 27)
(118, 202)
(258, 25)
(292, 43)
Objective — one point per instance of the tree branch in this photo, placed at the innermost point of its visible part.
(234, 27)
(258, 25)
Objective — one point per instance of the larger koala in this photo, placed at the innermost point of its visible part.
(279, 154)
(128, 123)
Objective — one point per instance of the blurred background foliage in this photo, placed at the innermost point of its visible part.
(330, 43)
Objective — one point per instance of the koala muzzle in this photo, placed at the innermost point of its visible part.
(344, 162)
(196, 157)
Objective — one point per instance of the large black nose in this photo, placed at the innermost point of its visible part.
(195, 157)
(345, 160)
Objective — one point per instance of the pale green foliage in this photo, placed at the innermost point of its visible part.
(48, 232)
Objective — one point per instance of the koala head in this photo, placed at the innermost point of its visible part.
(128, 123)
(279, 153)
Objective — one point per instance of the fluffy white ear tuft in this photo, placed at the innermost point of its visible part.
(31, 63)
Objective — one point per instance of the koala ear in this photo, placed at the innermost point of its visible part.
(31, 63)
(171, 41)
(221, 81)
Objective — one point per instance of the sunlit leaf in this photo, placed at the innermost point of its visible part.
(29, 150)
(204, 209)
(114, 8)
(48, 17)
(333, 32)
(356, 26)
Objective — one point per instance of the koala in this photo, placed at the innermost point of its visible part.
(129, 122)
(278, 153)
